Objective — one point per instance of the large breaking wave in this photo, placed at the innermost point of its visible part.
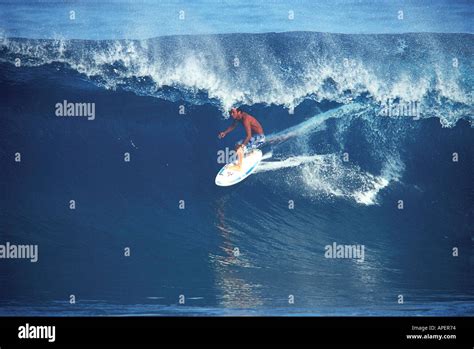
(435, 70)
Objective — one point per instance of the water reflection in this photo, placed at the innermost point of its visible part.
(235, 292)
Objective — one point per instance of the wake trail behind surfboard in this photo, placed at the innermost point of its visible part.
(312, 124)
(267, 155)
(315, 123)
(294, 161)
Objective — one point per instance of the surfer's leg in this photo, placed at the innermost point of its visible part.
(240, 156)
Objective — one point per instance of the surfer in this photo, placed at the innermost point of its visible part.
(255, 136)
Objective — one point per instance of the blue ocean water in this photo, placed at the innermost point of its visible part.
(338, 160)
(143, 19)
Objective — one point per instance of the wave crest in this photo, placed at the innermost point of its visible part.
(282, 69)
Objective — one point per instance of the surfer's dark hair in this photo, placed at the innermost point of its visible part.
(230, 110)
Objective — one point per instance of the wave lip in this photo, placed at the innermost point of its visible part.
(274, 68)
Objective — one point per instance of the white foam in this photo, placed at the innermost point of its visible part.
(294, 161)
(328, 176)
(263, 81)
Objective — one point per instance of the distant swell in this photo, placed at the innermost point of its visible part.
(436, 70)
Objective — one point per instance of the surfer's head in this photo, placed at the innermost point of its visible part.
(236, 113)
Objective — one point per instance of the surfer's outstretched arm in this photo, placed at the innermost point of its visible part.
(228, 129)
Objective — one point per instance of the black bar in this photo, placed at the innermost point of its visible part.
(334, 330)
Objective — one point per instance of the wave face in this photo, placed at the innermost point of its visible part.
(370, 141)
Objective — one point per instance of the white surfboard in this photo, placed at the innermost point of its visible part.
(227, 177)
